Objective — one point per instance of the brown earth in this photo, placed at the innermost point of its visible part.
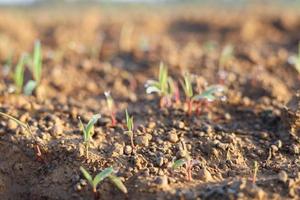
(92, 52)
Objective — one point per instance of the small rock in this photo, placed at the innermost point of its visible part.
(160, 161)
(83, 182)
(294, 149)
(162, 182)
(205, 175)
(142, 140)
(128, 150)
(78, 187)
(152, 125)
(172, 137)
(118, 150)
(282, 176)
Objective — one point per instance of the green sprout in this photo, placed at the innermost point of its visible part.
(25, 126)
(130, 127)
(161, 87)
(88, 132)
(210, 94)
(295, 60)
(188, 90)
(111, 107)
(106, 173)
(226, 55)
(37, 62)
(19, 73)
(186, 161)
(174, 90)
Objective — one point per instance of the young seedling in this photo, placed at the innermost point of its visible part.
(255, 170)
(161, 87)
(210, 94)
(37, 62)
(88, 132)
(226, 55)
(106, 173)
(19, 74)
(26, 127)
(130, 127)
(188, 90)
(186, 161)
(295, 60)
(111, 107)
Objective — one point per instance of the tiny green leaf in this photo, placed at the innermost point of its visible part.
(37, 61)
(90, 125)
(30, 87)
(118, 183)
(87, 176)
(102, 175)
(178, 163)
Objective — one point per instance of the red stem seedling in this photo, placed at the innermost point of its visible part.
(161, 87)
(186, 161)
(106, 173)
(130, 127)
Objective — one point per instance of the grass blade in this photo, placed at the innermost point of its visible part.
(86, 175)
(102, 175)
(179, 163)
(118, 183)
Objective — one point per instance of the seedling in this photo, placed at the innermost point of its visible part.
(19, 73)
(106, 173)
(26, 127)
(188, 90)
(88, 132)
(295, 60)
(226, 55)
(186, 161)
(37, 62)
(130, 127)
(255, 170)
(111, 107)
(161, 87)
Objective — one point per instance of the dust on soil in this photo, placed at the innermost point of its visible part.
(86, 55)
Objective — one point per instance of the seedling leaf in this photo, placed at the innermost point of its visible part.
(29, 87)
(90, 125)
(102, 175)
(117, 182)
(37, 61)
(87, 176)
(178, 163)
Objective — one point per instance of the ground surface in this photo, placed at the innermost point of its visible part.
(88, 54)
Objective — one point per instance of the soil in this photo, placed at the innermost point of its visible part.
(89, 53)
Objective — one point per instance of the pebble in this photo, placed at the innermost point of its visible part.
(162, 182)
(205, 175)
(152, 125)
(118, 150)
(294, 149)
(160, 161)
(282, 176)
(172, 137)
(142, 140)
(128, 150)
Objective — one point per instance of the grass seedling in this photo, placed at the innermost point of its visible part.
(186, 161)
(37, 62)
(255, 170)
(161, 87)
(188, 90)
(88, 132)
(106, 173)
(27, 129)
(226, 55)
(295, 60)
(111, 107)
(130, 127)
(19, 74)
